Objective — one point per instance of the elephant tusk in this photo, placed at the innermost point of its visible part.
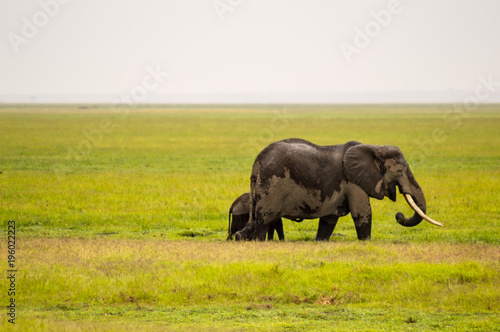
(414, 206)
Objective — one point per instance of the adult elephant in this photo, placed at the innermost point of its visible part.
(297, 179)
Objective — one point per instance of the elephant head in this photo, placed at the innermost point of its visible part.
(378, 170)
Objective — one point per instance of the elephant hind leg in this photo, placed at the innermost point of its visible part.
(279, 229)
(252, 232)
(257, 229)
(270, 233)
(277, 226)
(326, 227)
(245, 234)
(261, 232)
(264, 223)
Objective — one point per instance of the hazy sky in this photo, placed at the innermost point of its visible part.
(233, 48)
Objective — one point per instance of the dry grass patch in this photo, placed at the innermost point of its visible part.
(77, 272)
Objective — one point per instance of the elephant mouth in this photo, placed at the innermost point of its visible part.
(391, 190)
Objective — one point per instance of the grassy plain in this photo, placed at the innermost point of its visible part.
(121, 217)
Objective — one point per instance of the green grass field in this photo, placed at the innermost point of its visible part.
(121, 220)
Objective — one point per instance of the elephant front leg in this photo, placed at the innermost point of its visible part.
(361, 211)
(363, 227)
(326, 227)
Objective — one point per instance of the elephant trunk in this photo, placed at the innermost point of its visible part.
(420, 212)
(416, 200)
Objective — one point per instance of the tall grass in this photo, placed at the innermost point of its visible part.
(80, 272)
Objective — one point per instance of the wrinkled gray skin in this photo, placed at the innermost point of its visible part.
(297, 179)
(240, 212)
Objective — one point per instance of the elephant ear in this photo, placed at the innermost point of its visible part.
(364, 167)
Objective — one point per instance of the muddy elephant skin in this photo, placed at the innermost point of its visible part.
(297, 179)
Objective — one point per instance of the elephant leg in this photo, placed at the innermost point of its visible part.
(239, 222)
(270, 233)
(364, 230)
(243, 229)
(266, 224)
(361, 211)
(244, 234)
(257, 229)
(261, 232)
(278, 225)
(326, 227)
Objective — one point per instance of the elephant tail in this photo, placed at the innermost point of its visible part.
(229, 235)
(253, 202)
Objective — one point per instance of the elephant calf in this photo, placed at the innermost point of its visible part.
(240, 212)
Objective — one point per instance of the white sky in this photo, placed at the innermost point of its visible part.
(261, 47)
